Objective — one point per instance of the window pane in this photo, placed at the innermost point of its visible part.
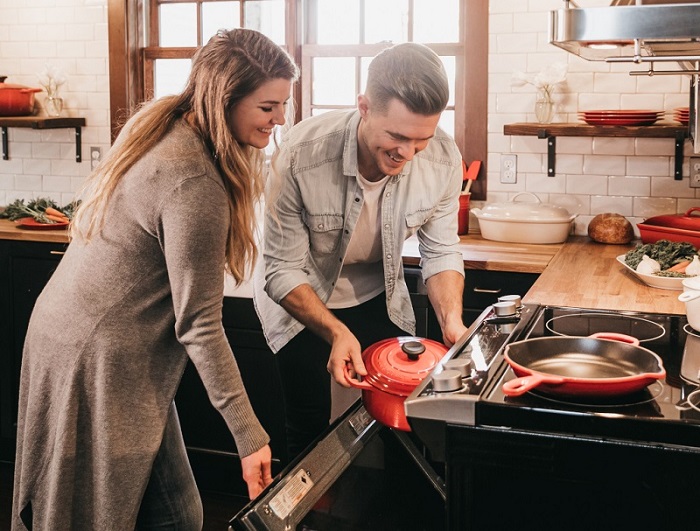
(364, 67)
(436, 20)
(447, 122)
(333, 81)
(386, 21)
(171, 76)
(267, 17)
(338, 22)
(219, 15)
(178, 25)
(448, 62)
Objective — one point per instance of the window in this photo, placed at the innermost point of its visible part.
(332, 41)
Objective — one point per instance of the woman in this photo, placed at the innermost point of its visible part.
(138, 293)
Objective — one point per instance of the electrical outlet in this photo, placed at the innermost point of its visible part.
(694, 172)
(95, 157)
(509, 169)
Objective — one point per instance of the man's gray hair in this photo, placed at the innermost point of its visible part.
(411, 73)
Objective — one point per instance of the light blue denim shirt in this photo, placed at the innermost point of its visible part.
(314, 201)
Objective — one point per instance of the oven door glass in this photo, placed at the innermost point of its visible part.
(359, 475)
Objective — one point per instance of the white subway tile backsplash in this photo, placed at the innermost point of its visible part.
(606, 145)
(617, 204)
(646, 207)
(632, 186)
(586, 184)
(603, 165)
(668, 186)
(641, 165)
(56, 184)
(655, 146)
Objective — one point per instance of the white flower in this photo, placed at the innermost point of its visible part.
(51, 78)
(545, 80)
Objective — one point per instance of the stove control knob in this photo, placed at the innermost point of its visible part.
(506, 308)
(463, 365)
(447, 381)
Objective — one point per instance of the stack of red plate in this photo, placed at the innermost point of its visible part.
(680, 114)
(611, 117)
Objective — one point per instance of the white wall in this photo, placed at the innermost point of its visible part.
(70, 35)
(633, 177)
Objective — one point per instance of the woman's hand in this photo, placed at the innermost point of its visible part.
(257, 471)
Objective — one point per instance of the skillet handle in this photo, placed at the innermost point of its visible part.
(622, 338)
(522, 385)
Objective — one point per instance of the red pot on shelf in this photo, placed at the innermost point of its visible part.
(16, 100)
(395, 367)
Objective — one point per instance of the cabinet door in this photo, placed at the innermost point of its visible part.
(25, 268)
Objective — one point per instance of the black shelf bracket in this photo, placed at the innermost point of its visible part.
(551, 151)
(5, 148)
(678, 166)
(78, 145)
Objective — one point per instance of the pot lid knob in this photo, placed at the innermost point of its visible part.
(413, 349)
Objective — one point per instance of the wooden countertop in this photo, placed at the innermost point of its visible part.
(10, 231)
(489, 255)
(578, 273)
(586, 274)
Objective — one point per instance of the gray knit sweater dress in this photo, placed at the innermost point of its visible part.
(109, 339)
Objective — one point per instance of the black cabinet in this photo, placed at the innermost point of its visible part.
(210, 446)
(25, 267)
(482, 288)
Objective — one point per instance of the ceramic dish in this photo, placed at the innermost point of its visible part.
(674, 283)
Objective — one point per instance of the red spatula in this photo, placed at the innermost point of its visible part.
(470, 175)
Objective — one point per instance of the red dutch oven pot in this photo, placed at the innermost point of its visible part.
(16, 100)
(395, 367)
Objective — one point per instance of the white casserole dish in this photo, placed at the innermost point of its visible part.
(524, 221)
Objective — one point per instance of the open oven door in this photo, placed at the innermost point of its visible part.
(358, 475)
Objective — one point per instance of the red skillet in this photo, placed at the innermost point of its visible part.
(582, 366)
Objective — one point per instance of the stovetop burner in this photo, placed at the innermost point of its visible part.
(632, 400)
(587, 323)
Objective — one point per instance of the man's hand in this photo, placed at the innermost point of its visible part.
(257, 470)
(345, 349)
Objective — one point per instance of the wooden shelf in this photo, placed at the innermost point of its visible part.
(42, 122)
(549, 132)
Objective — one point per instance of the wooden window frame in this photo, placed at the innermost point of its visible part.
(131, 60)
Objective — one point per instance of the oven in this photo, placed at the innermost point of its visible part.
(540, 461)
(357, 476)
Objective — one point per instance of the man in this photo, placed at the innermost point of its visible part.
(348, 188)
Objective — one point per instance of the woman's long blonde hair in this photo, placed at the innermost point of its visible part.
(232, 65)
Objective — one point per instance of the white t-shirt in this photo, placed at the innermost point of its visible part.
(362, 275)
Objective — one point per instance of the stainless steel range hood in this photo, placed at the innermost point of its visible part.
(637, 32)
(648, 31)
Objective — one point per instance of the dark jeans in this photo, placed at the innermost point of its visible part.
(305, 379)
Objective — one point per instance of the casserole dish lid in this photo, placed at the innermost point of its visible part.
(525, 211)
(688, 221)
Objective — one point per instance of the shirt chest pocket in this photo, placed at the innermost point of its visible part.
(325, 231)
(417, 219)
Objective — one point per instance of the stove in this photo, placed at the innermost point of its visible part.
(633, 459)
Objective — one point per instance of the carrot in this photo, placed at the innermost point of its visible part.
(680, 266)
(60, 219)
(54, 212)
